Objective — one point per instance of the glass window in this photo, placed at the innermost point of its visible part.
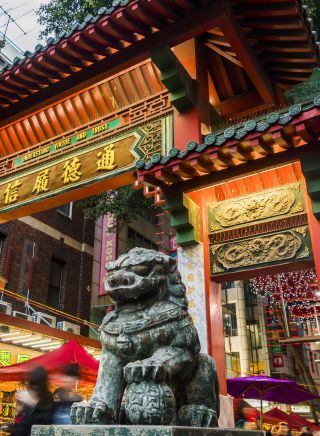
(233, 368)
(65, 210)
(254, 334)
(55, 282)
(137, 240)
(230, 319)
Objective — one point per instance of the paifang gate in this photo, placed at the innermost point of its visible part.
(171, 95)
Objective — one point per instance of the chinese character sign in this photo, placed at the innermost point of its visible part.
(5, 357)
(108, 249)
(98, 162)
(190, 265)
(23, 358)
(12, 192)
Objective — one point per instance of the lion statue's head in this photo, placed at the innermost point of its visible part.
(142, 275)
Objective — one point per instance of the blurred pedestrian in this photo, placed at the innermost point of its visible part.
(66, 395)
(284, 429)
(247, 416)
(35, 403)
(305, 431)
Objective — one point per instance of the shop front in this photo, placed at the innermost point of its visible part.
(22, 340)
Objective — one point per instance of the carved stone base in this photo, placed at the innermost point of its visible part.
(135, 430)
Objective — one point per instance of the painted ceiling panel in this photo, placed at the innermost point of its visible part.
(99, 100)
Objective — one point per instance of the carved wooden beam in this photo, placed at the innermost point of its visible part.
(240, 44)
(174, 76)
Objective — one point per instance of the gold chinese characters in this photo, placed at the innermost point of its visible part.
(106, 159)
(70, 171)
(41, 184)
(11, 193)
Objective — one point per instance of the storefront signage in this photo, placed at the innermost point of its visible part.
(278, 361)
(8, 358)
(64, 143)
(5, 357)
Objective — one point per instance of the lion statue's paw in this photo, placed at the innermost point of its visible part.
(91, 412)
(147, 369)
(196, 415)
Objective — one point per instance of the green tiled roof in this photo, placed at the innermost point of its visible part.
(236, 132)
(63, 35)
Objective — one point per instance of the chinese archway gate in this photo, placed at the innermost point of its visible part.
(213, 104)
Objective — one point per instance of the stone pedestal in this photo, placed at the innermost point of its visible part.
(135, 430)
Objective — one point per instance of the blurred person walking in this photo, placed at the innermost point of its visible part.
(247, 417)
(66, 395)
(305, 431)
(35, 404)
(284, 429)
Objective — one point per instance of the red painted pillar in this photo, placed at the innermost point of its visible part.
(193, 123)
(217, 336)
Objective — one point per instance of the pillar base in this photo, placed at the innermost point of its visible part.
(135, 430)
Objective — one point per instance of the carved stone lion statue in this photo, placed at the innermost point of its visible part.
(151, 364)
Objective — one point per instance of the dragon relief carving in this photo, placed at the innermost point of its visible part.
(263, 249)
(257, 207)
(151, 360)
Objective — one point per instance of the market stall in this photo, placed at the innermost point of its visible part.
(14, 376)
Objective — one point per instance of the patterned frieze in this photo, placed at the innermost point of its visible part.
(254, 252)
(261, 206)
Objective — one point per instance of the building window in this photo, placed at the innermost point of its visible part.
(230, 319)
(233, 368)
(65, 210)
(55, 283)
(137, 240)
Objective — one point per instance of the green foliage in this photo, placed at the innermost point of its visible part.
(60, 15)
(314, 13)
(125, 204)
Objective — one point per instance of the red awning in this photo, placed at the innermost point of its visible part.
(54, 362)
(294, 421)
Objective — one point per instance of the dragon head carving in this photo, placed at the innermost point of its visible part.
(142, 275)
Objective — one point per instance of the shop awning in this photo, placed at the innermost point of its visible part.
(54, 362)
(295, 421)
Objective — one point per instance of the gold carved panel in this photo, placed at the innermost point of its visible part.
(260, 206)
(276, 247)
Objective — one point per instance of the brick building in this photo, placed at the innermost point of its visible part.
(50, 255)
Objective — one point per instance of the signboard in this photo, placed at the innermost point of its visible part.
(94, 163)
(108, 249)
(278, 361)
(67, 142)
(94, 160)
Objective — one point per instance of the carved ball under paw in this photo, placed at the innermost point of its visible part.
(196, 415)
(150, 403)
